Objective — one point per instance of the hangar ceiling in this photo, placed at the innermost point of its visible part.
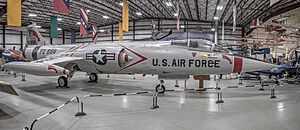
(192, 10)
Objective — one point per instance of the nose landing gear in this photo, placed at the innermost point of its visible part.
(62, 81)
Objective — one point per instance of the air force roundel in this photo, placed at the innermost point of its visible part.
(99, 57)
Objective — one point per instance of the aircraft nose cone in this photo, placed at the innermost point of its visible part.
(250, 65)
(10, 65)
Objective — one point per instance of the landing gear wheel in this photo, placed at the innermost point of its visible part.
(160, 88)
(93, 77)
(62, 81)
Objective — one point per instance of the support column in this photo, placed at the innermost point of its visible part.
(21, 33)
(187, 29)
(243, 32)
(133, 35)
(64, 40)
(112, 33)
(3, 35)
(158, 24)
(184, 26)
(51, 41)
(73, 36)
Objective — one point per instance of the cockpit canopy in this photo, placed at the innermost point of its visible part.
(199, 44)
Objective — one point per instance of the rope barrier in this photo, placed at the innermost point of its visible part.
(54, 110)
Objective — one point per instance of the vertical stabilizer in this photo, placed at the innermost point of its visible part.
(33, 36)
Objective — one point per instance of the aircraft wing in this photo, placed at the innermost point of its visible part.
(60, 61)
(52, 66)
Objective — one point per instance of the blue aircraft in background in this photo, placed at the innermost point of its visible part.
(288, 69)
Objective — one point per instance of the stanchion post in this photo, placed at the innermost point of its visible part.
(81, 113)
(261, 87)
(23, 77)
(220, 96)
(176, 83)
(31, 126)
(154, 101)
(240, 81)
(273, 93)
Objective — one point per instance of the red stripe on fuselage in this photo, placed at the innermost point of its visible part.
(52, 68)
(238, 64)
(80, 48)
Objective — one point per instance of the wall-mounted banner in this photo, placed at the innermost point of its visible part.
(61, 6)
(120, 31)
(272, 2)
(14, 13)
(234, 11)
(83, 22)
(178, 15)
(54, 26)
(95, 34)
(125, 16)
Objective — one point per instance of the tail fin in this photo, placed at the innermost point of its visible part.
(33, 36)
(95, 34)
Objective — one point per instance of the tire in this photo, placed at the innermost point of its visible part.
(160, 88)
(62, 81)
(93, 77)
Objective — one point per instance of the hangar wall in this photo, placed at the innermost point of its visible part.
(137, 30)
(13, 38)
(142, 29)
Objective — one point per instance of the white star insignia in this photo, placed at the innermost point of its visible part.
(99, 57)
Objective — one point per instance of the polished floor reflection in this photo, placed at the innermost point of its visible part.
(244, 107)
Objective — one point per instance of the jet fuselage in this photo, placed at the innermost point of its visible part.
(146, 58)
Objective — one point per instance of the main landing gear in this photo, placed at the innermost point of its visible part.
(160, 88)
(93, 77)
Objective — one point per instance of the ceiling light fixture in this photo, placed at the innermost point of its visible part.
(138, 13)
(101, 30)
(216, 18)
(32, 15)
(78, 23)
(106, 17)
(59, 19)
(213, 29)
(121, 4)
(169, 4)
(59, 29)
(219, 7)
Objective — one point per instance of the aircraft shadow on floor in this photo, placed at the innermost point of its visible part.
(7, 112)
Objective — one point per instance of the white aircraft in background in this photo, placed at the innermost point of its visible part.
(153, 57)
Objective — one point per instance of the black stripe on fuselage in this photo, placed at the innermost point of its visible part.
(35, 52)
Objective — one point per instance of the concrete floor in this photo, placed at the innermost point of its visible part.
(244, 108)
